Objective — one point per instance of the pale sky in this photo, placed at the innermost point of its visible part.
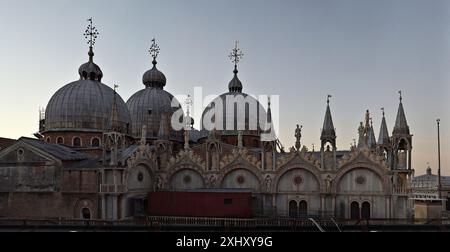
(360, 51)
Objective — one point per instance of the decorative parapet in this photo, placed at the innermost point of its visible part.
(244, 153)
(304, 155)
(370, 155)
(186, 155)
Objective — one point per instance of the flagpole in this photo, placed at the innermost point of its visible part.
(439, 159)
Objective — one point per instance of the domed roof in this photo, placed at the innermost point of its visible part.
(85, 105)
(148, 105)
(247, 115)
(236, 111)
(235, 84)
(154, 77)
(90, 70)
(146, 108)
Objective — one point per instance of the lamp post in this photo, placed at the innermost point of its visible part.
(439, 159)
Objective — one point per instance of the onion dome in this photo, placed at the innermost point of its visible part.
(154, 77)
(148, 105)
(86, 104)
(235, 84)
(90, 70)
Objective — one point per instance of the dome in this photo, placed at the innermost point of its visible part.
(235, 84)
(85, 105)
(150, 105)
(246, 117)
(146, 108)
(90, 70)
(154, 78)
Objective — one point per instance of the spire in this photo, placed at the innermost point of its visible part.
(114, 124)
(268, 135)
(89, 70)
(371, 142)
(383, 138)
(401, 126)
(269, 111)
(328, 131)
(235, 56)
(153, 77)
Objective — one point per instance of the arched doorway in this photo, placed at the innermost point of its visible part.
(354, 211)
(365, 210)
(293, 209)
(86, 213)
(303, 208)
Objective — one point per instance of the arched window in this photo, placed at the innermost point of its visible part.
(365, 210)
(60, 140)
(48, 140)
(76, 142)
(303, 208)
(86, 213)
(354, 211)
(293, 209)
(95, 142)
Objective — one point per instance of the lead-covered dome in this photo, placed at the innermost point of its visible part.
(235, 111)
(86, 104)
(149, 105)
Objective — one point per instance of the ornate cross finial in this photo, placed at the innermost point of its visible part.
(236, 55)
(115, 87)
(400, 93)
(154, 51)
(328, 99)
(382, 109)
(91, 33)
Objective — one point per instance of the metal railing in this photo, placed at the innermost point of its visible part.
(281, 224)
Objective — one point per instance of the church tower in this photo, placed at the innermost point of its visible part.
(328, 139)
(402, 140)
(402, 148)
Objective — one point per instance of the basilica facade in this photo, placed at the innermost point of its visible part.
(98, 157)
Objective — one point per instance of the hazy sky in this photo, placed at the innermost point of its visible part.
(361, 52)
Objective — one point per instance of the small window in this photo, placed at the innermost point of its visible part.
(228, 201)
(76, 142)
(95, 142)
(48, 140)
(60, 140)
(149, 111)
(86, 213)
